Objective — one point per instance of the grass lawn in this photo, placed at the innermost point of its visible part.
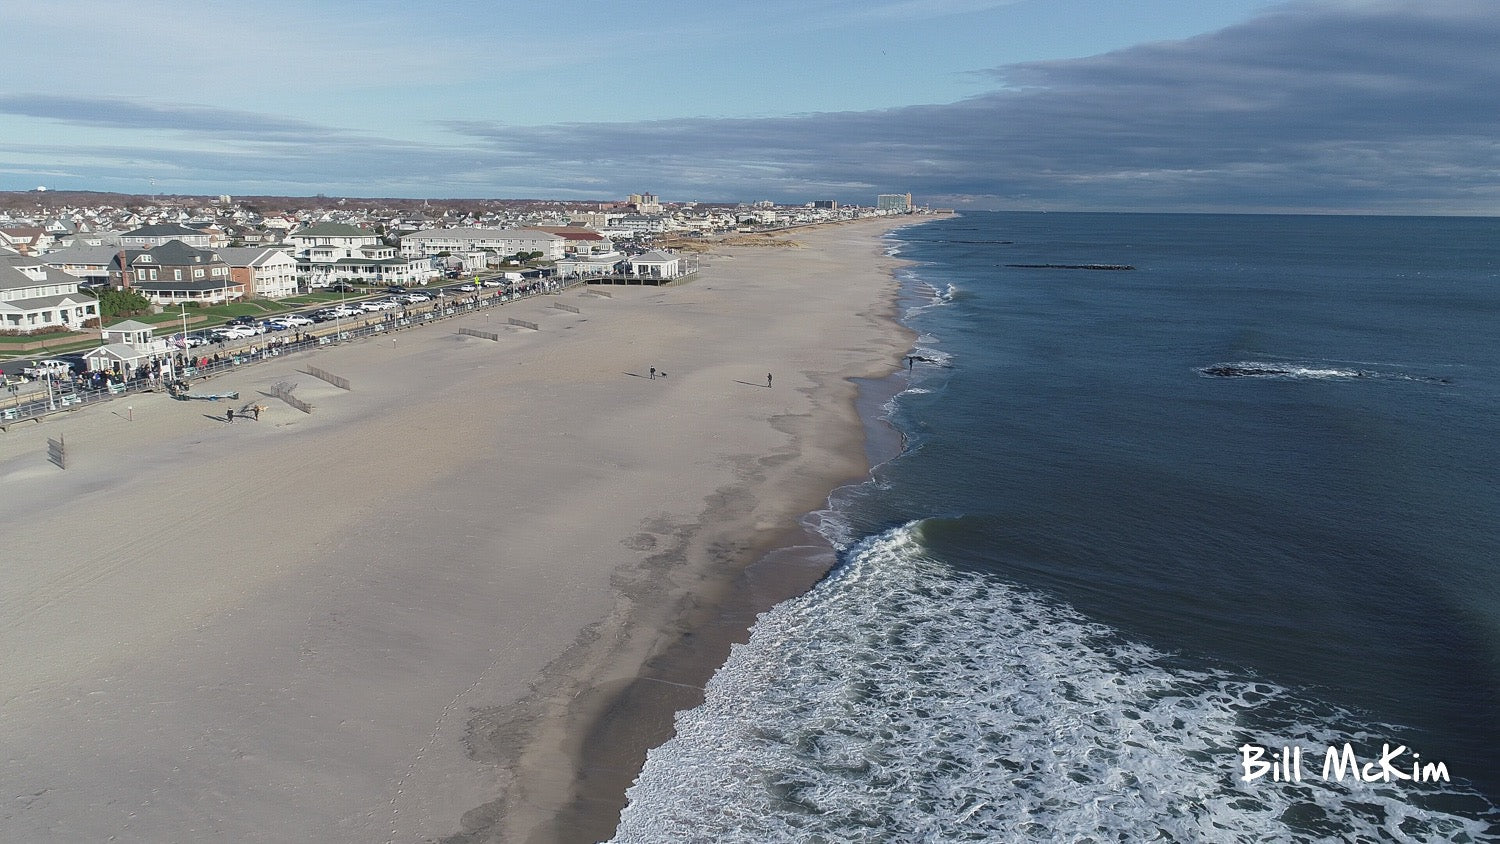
(32, 338)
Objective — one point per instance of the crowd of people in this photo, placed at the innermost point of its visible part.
(156, 372)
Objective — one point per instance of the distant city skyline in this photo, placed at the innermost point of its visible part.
(1378, 106)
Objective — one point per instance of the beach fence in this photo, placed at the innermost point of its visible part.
(322, 374)
(283, 390)
(572, 309)
(524, 324)
(57, 452)
(486, 335)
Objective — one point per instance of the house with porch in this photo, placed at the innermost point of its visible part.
(89, 264)
(332, 252)
(127, 346)
(36, 298)
(501, 242)
(174, 273)
(578, 240)
(266, 273)
(589, 266)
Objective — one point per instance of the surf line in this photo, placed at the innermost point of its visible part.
(1285, 765)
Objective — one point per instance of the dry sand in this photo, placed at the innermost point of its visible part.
(455, 602)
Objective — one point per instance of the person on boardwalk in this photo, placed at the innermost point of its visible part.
(768, 380)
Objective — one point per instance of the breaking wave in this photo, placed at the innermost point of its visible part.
(901, 700)
(1310, 371)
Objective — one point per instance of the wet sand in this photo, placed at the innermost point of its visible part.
(457, 601)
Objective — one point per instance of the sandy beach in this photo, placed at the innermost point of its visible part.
(457, 601)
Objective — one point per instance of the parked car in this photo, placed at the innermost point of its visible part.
(232, 332)
(466, 288)
(276, 324)
(377, 305)
(51, 367)
(414, 298)
(342, 287)
(295, 320)
(247, 321)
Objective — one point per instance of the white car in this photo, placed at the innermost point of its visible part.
(52, 367)
(414, 298)
(295, 320)
(234, 332)
(377, 305)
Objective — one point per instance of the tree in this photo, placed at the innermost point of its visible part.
(114, 302)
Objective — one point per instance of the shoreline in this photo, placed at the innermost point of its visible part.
(615, 728)
(393, 619)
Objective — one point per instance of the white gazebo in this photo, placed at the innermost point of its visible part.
(655, 265)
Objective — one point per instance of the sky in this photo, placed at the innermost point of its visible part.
(1360, 106)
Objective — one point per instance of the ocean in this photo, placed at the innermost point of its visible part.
(1159, 538)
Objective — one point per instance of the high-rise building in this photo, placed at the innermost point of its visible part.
(896, 203)
(646, 203)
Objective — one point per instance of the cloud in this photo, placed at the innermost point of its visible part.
(1370, 105)
(115, 113)
(1342, 105)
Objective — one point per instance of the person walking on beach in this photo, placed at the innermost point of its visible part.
(653, 373)
(229, 416)
(768, 380)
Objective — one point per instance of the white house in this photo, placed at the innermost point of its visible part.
(585, 266)
(502, 242)
(642, 223)
(36, 297)
(266, 273)
(331, 252)
(581, 241)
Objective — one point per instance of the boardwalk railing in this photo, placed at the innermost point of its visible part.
(70, 395)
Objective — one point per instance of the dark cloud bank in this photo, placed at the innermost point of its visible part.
(1338, 105)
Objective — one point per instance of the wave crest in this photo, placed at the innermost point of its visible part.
(901, 700)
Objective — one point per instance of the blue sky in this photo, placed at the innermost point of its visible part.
(1384, 106)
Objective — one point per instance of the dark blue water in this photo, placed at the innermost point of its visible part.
(1244, 493)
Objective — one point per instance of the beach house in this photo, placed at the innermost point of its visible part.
(264, 272)
(127, 345)
(174, 273)
(37, 298)
(327, 253)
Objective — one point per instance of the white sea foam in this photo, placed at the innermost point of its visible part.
(902, 701)
(936, 297)
(1311, 371)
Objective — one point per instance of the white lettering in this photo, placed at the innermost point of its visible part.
(1250, 759)
(1338, 766)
